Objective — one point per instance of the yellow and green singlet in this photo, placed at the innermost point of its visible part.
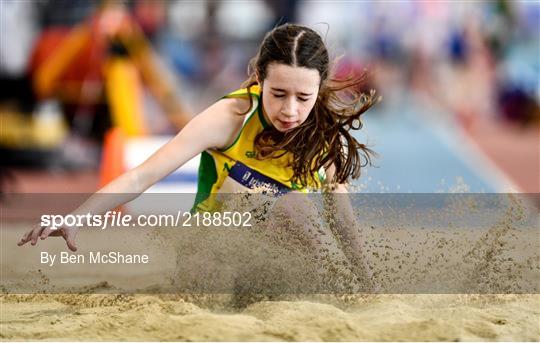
(236, 169)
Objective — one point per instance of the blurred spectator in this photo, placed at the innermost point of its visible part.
(18, 29)
(74, 60)
(285, 11)
(518, 106)
(69, 64)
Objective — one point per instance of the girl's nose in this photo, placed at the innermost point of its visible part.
(289, 108)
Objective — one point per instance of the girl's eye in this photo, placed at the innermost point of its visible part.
(303, 99)
(279, 95)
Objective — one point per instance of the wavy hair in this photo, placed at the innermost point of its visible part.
(324, 139)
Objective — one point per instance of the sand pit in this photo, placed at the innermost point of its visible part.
(374, 318)
(500, 261)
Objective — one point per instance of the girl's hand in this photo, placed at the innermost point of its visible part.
(68, 233)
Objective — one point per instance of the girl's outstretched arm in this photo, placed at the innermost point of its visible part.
(345, 225)
(215, 127)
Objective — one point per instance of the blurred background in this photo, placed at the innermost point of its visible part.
(90, 88)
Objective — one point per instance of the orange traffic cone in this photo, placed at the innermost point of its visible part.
(112, 159)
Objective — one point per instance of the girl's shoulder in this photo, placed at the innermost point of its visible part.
(244, 100)
(253, 90)
(238, 106)
(226, 117)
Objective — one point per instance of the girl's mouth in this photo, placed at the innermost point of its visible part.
(286, 124)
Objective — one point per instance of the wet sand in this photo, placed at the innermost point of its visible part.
(373, 317)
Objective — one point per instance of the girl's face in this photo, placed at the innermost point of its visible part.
(289, 94)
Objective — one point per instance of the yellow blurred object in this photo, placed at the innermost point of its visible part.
(123, 87)
(41, 130)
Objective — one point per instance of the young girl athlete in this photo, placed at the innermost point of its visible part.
(287, 129)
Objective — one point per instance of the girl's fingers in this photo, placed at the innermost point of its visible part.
(46, 232)
(70, 239)
(35, 235)
(25, 238)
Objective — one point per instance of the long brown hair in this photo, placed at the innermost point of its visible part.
(324, 138)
